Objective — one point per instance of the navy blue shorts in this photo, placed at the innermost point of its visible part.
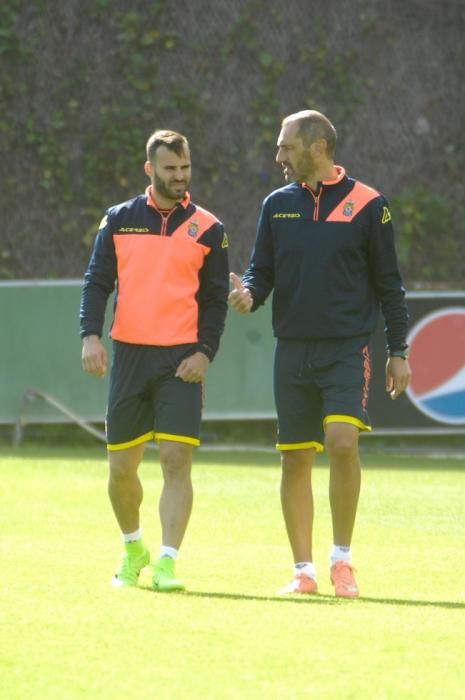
(147, 401)
(320, 382)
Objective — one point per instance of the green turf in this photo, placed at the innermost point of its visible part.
(66, 634)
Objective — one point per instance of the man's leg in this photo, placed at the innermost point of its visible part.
(176, 497)
(297, 507)
(175, 508)
(125, 492)
(124, 486)
(344, 479)
(297, 501)
(300, 436)
(344, 491)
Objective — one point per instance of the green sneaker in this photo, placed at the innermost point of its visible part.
(163, 576)
(133, 561)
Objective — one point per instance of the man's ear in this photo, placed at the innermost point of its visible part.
(318, 148)
(148, 169)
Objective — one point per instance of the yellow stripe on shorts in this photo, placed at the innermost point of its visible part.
(177, 438)
(285, 446)
(346, 419)
(131, 443)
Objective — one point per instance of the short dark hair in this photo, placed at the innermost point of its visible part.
(163, 137)
(313, 125)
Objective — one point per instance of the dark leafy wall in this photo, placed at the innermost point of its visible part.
(84, 82)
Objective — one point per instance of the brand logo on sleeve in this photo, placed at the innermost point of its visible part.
(286, 215)
(386, 215)
(225, 242)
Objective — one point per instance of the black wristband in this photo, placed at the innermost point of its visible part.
(399, 353)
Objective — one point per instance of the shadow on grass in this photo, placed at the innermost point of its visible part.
(320, 599)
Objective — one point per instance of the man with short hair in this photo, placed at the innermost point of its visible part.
(325, 245)
(168, 259)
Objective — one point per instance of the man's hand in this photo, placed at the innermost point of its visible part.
(94, 356)
(240, 297)
(194, 368)
(398, 375)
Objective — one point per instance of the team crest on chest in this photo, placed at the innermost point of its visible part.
(348, 209)
(193, 228)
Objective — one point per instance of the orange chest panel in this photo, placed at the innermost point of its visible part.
(158, 278)
(155, 257)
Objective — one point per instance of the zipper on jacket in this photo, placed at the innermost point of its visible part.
(316, 200)
(316, 210)
(164, 221)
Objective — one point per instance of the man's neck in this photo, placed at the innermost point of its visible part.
(327, 173)
(161, 202)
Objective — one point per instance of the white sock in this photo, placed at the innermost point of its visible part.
(305, 567)
(132, 536)
(166, 551)
(340, 553)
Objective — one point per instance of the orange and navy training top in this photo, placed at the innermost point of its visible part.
(331, 260)
(170, 270)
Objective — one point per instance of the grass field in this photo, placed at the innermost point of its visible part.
(66, 634)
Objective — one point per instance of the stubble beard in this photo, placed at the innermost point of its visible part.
(305, 170)
(166, 190)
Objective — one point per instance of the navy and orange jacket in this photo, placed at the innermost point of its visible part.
(331, 260)
(171, 275)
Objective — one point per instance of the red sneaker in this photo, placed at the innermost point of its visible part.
(342, 578)
(301, 583)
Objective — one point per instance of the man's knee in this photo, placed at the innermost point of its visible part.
(342, 449)
(124, 463)
(175, 459)
(342, 441)
(293, 461)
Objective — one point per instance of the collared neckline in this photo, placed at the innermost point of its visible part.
(184, 203)
(341, 173)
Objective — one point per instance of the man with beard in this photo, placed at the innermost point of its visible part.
(325, 246)
(168, 259)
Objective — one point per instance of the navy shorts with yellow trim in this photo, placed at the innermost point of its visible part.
(146, 399)
(318, 382)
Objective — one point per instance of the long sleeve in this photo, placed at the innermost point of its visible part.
(213, 291)
(99, 283)
(259, 276)
(386, 276)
